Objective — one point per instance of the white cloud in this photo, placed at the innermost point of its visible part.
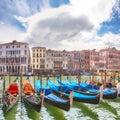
(91, 41)
(71, 27)
(111, 40)
(9, 33)
(97, 11)
(117, 6)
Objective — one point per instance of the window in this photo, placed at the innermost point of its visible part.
(18, 46)
(43, 54)
(42, 61)
(0, 52)
(33, 60)
(37, 55)
(37, 60)
(25, 52)
(42, 66)
(40, 55)
(33, 66)
(17, 52)
(37, 66)
(7, 52)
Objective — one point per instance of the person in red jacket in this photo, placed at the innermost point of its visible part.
(13, 89)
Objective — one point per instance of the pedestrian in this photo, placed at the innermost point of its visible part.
(101, 90)
(118, 87)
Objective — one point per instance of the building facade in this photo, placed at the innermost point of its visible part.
(94, 60)
(111, 59)
(56, 61)
(85, 61)
(82, 61)
(38, 58)
(14, 56)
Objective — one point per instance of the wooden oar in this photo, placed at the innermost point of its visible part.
(41, 80)
(102, 78)
(3, 90)
(115, 76)
(71, 93)
(41, 93)
(9, 79)
(93, 74)
(69, 75)
(101, 91)
(71, 98)
(118, 76)
(60, 84)
(34, 81)
(105, 78)
(79, 80)
(47, 80)
(21, 84)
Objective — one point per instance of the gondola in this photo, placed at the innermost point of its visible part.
(58, 101)
(10, 97)
(33, 101)
(46, 89)
(77, 96)
(51, 98)
(108, 93)
(7, 104)
(30, 98)
(83, 86)
(72, 85)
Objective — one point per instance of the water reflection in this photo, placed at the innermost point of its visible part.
(31, 113)
(22, 111)
(11, 114)
(1, 113)
(55, 112)
(44, 115)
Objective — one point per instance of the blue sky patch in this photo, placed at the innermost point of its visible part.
(57, 3)
(112, 26)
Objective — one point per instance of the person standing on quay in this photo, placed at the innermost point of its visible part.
(101, 91)
(118, 87)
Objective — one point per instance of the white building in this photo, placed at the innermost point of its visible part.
(14, 56)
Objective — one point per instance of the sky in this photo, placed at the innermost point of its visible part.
(61, 24)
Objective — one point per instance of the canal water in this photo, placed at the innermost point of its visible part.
(79, 111)
(107, 109)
